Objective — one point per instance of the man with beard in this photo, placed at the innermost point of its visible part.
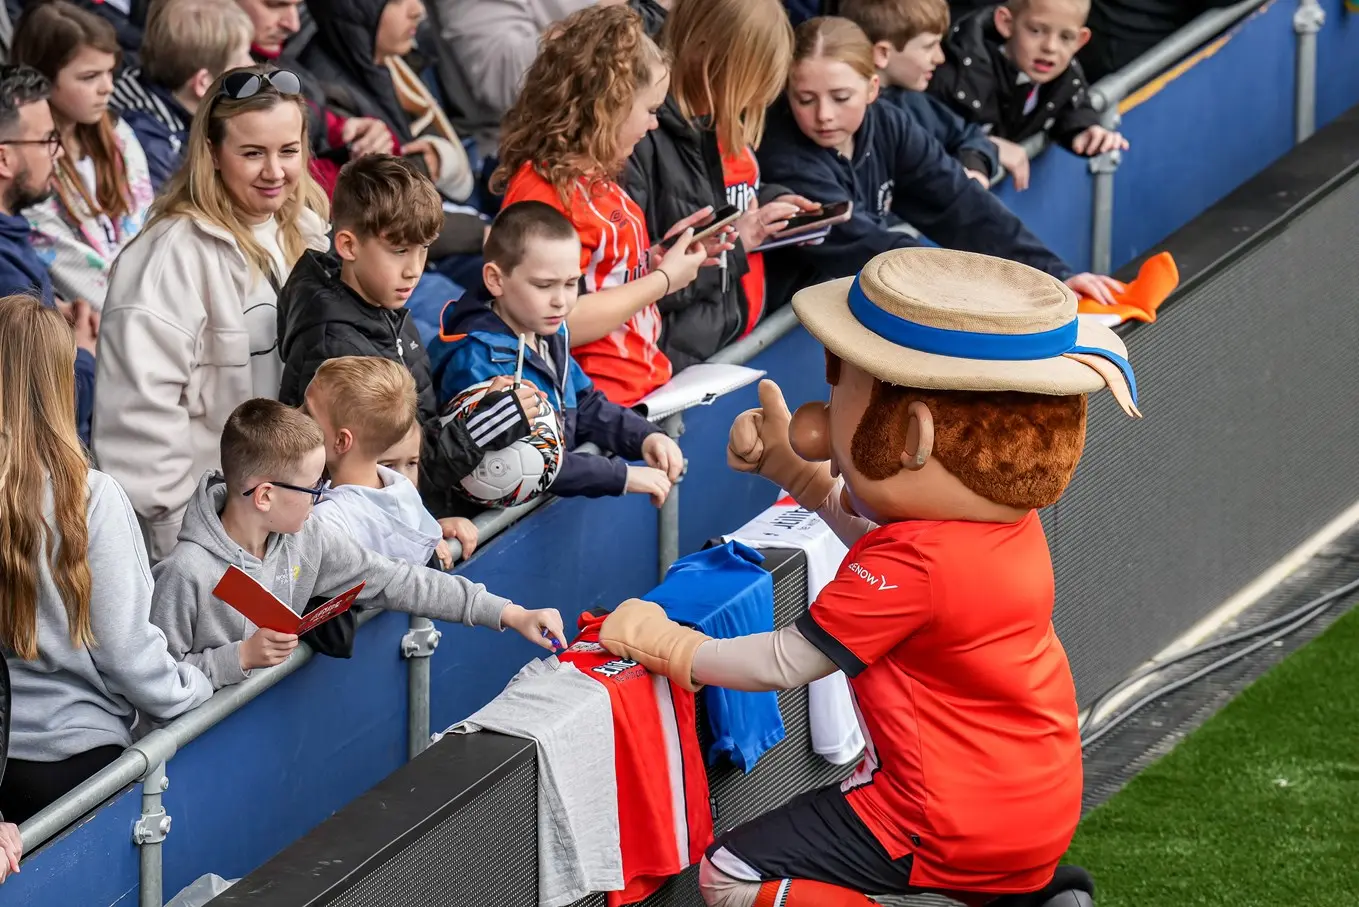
(29, 146)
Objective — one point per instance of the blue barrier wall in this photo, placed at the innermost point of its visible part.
(1198, 142)
(93, 863)
(1337, 62)
(1057, 205)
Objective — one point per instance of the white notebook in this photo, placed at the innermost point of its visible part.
(697, 385)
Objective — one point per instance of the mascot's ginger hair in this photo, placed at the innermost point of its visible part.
(1014, 449)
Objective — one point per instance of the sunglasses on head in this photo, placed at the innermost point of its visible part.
(241, 85)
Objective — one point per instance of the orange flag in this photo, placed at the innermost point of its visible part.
(1156, 279)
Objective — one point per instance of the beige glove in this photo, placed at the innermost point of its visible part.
(641, 631)
(758, 443)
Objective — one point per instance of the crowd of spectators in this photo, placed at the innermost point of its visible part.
(246, 247)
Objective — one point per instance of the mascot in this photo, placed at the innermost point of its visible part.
(957, 409)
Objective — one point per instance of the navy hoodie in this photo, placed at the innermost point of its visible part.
(474, 345)
(899, 170)
(22, 272)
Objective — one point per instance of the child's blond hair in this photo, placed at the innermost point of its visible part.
(184, 36)
(373, 397)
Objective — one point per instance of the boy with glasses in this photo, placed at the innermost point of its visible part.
(255, 516)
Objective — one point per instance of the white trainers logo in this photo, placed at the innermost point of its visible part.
(878, 582)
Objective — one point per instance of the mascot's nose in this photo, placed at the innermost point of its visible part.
(809, 432)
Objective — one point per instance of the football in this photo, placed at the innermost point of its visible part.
(521, 472)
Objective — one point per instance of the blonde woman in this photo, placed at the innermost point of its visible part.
(190, 330)
(729, 62)
(75, 591)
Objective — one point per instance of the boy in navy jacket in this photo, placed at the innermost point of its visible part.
(907, 38)
(532, 274)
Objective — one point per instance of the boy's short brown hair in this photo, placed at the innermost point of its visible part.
(519, 223)
(385, 197)
(1016, 7)
(897, 21)
(184, 36)
(373, 397)
(267, 439)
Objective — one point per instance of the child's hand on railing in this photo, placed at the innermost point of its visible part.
(648, 480)
(661, 452)
(11, 849)
(542, 627)
(266, 648)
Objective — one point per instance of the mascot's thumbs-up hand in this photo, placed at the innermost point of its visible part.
(759, 443)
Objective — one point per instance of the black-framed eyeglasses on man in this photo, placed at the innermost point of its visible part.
(321, 488)
(52, 140)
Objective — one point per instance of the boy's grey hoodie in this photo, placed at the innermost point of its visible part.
(68, 701)
(391, 520)
(318, 560)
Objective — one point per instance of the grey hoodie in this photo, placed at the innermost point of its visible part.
(391, 520)
(318, 560)
(68, 701)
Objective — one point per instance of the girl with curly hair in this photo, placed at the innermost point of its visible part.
(588, 99)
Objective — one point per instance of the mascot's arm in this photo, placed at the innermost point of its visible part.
(780, 660)
(849, 527)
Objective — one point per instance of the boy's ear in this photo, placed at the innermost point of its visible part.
(1005, 21)
(494, 278)
(199, 83)
(1083, 39)
(344, 441)
(882, 53)
(346, 245)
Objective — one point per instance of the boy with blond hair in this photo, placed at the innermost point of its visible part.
(187, 44)
(254, 515)
(907, 38)
(1012, 69)
(365, 405)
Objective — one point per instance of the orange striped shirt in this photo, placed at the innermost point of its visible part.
(627, 364)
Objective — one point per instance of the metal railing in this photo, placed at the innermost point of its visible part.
(145, 761)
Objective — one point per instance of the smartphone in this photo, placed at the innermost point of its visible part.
(722, 217)
(828, 215)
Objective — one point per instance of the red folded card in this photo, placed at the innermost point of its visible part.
(241, 591)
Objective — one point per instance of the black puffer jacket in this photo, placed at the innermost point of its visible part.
(981, 83)
(321, 318)
(675, 171)
(341, 57)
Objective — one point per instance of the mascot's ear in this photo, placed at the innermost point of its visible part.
(919, 436)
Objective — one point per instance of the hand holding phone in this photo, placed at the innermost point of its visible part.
(705, 228)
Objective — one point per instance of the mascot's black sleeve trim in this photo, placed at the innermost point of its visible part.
(830, 647)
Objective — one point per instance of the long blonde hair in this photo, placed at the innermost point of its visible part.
(197, 190)
(731, 60)
(37, 413)
(576, 96)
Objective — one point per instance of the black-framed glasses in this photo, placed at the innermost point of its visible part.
(52, 140)
(238, 86)
(320, 489)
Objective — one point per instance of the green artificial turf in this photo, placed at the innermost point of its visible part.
(1260, 806)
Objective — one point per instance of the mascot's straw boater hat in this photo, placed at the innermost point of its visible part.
(946, 320)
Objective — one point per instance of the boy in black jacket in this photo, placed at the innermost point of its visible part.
(385, 215)
(1012, 68)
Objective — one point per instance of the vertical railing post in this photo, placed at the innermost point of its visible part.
(417, 645)
(1307, 21)
(1104, 167)
(668, 521)
(149, 832)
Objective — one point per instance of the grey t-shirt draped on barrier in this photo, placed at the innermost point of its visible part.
(570, 718)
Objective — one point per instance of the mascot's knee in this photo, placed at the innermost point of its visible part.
(721, 890)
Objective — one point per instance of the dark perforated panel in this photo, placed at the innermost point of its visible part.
(448, 865)
(1250, 444)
